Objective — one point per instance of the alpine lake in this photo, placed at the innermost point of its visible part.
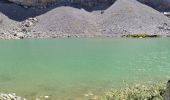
(70, 68)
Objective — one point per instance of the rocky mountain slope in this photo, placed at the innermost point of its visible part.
(68, 20)
(133, 17)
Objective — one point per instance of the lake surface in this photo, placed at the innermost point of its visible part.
(67, 69)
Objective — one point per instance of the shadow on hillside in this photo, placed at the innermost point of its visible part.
(160, 5)
(19, 13)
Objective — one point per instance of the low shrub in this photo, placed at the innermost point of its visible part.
(138, 92)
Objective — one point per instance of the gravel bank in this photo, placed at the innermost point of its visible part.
(65, 21)
(133, 17)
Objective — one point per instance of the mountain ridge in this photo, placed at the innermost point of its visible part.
(157, 4)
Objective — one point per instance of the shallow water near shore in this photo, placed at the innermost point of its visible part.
(67, 69)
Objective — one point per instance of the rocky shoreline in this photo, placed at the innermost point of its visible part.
(11, 96)
(147, 91)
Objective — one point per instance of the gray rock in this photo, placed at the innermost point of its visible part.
(20, 35)
(166, 95)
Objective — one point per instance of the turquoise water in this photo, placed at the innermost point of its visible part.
(66, 69)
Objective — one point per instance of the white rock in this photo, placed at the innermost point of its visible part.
(11, 96)
(46, 97)
(35, 19)
(167, 13)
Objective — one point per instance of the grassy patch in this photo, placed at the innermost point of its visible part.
(140, 35)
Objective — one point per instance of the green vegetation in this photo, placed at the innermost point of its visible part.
(138, 92)
(140, 35)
